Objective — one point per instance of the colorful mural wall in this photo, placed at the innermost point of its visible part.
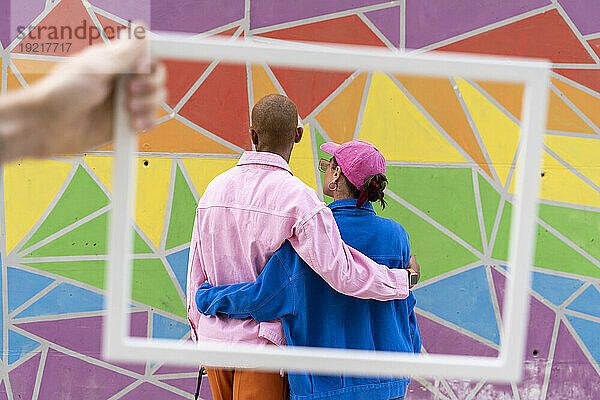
(452, 146)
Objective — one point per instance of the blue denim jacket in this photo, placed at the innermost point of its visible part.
(313, 314)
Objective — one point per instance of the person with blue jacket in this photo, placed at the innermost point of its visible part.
(314, 314)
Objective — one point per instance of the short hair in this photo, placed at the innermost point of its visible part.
(275, 119)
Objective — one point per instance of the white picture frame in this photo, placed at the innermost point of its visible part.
(507, 367)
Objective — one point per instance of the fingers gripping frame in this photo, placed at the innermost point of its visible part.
(118, 345)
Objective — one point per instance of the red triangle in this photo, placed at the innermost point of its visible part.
(586, 77)
(220, 105)
(544, 35)
(595, 44)
(228, 32)
(68, 23)
(110, 26)
(307, 87)
(345, 30)
(181, 75)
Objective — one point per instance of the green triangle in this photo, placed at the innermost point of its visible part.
(550, 251)
(500, 251)
(582, 227)
(88, 239)
(81, 198)
(553, 253)
(319, 141)
(90, 272)
(183, 212)
(435, 252)
(444, 194)
(153, 286)
(490, 199)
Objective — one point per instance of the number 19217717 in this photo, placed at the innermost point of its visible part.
(46, 47)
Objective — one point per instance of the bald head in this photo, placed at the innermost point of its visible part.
(274, 120)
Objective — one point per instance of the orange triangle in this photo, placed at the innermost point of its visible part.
(437, 96)
(562, 118)
(173, 136)
(510, 95)
(560, 115)
(261, 83)
(34, 70)
(588, 104)
(69, 25)
(12, 83)
(338, 118)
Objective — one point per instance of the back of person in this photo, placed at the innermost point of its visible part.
(331, 319)
(243, 217)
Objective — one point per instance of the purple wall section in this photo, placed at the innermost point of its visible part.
(433, 21)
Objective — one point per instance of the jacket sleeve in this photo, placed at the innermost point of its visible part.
(318, 241)
(270, 297)
(195, 277)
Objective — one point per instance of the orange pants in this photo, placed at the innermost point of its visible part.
(244, 384)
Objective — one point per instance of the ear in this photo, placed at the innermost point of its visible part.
(337, 172)
(253, 136)
(299, 132)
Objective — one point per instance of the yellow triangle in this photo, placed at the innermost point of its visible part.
(393, 124)
(29, 187)
(152, 194)
(102, 167)
(560, 184)
(261, 83)
(302, 162)
(582, 154)
(204, 170)
(500, 135)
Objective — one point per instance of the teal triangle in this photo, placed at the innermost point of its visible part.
(19, 346)
(587, 302)
(167, 328)
(81, 198)
(179, 264)
(490, 199)
(588, 332)
(444, 194)
(23, 285)
(183, 212)
(319, 141)
(88, 239)
(557, 289)
(65, 299)
(448, 254)
(464, 300)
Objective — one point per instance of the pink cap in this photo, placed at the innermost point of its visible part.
(357, 159)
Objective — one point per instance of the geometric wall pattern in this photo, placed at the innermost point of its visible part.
(451, 146)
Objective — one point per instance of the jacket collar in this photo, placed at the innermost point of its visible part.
(264, 158)
(351, 204)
